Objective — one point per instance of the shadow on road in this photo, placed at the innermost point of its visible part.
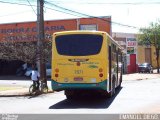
(19, 78)
(14, 77)
(85, 102)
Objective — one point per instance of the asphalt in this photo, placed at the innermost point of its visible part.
(24, 91)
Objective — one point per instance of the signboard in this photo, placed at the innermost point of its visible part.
(131, 42)
(130, 50)
(88, 27)
(27, 31)
(131, 45)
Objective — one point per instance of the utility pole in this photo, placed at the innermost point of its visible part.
(40, 43)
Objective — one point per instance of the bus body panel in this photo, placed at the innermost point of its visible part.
(71, 72)
(78, 72)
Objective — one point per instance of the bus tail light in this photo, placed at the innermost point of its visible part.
(56, 70)
(56, 75)
(101, 75)
(100, 70)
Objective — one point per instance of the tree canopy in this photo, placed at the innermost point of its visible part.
(151, 36)
(24, 51)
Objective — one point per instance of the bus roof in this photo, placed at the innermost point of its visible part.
(80, 31)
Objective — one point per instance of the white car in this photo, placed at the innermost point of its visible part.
(29, 71)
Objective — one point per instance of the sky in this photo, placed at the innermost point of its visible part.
(127, 15)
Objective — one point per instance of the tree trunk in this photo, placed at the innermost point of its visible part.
(157, 58)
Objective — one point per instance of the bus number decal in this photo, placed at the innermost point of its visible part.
(78, 71)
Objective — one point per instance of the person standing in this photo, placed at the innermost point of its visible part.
(35, 77)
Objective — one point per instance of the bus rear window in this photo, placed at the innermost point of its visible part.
(78, 44)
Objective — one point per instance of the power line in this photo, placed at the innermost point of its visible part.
(16, 3)
(71, 12)
(134, 3)
(82, 14)
(110, 3)
(63, 12)
(62, 8)
(32, 7)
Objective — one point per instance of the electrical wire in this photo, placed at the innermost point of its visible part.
(72, 12)
(62, 8)
(63, 12)
(15, 3)
(110, 3)
(32, 7)
(86, 15)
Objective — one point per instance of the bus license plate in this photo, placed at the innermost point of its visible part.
(78, 79)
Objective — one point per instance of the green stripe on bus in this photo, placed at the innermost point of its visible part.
(64, 86)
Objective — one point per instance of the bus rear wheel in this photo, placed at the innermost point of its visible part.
(70, 97)
(70, 94)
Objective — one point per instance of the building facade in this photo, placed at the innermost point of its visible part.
(147, 54)
(135, 54)
(27, 32)
(128, 42)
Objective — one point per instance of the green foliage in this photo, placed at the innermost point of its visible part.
(150, 35)
(24, 51)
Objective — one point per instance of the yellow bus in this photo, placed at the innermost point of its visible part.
(85, 62)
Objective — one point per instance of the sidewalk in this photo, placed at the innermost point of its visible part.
(15, 92)
(23, 91)
(13, 86)
(141, 76)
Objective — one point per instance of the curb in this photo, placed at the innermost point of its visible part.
(23, 95)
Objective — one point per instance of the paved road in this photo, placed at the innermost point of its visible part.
(138, 96)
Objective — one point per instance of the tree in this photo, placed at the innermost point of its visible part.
(24, 51)
(151, 36)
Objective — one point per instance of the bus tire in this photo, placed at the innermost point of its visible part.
(70, 94)
(70, 97)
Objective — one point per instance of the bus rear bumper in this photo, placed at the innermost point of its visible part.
(69, 86)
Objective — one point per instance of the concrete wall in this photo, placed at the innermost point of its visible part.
(141, 55)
